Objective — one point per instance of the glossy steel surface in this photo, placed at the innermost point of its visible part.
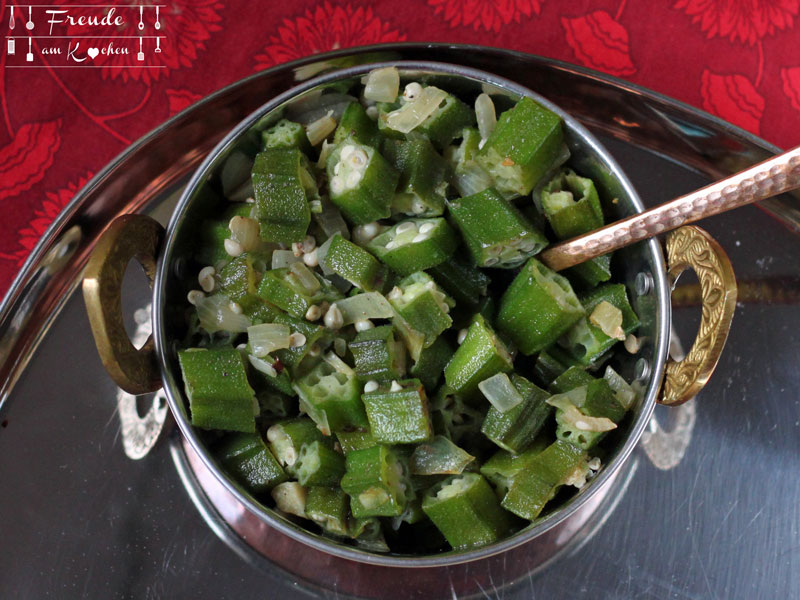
(772, 177)
(709, 511)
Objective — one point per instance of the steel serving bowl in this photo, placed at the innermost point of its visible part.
(167, 259)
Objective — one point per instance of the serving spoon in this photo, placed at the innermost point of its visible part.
(774, 176)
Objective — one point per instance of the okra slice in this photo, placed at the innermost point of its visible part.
(465, 509)
(522, 148)
(609, 318)
(481, 355)
(398, 412)
(585, 414)
(239, 278)
(533, 487)
(571, 205)
(287, 438)
(468, 176)
(355, 440)
(423, 182)
(327, 507)
(575, 376)
(351, 262)
(247, 459)
(517, 428)
(356, 125)
(415, 245)
(331, 398)
(592, 272)
(374, 481)
(214, 232)
(495, 232)
(281, 183)
(220, 397)
(361, 182)
(431, 362)
(314, 335)
(378, 355)
(537, 308)
(463, 282)
(503, 466)
(423, 305)
(295, 289)
(547, 369)
(319, 464)
(453, 417)
(286, 134)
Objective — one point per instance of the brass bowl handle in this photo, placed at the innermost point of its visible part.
(692, 247)
(128, 237)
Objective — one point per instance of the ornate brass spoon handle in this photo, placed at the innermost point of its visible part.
(774, 176)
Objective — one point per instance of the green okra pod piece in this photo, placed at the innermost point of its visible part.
(246, 457)
(431, 362)
(214, 232)
(378, 356)
(609, 318)
(423, 183)
(327, 507)
(314, 335)
(351, 262)
(318, 464)
(275, 405)
(503, 466)
(463, 282)
(577, 409)
(439, 456)
(239, 278)
(355, 440)
(374, 480)
(441, 127)
(537, 308)
(571, 205)
(423, 305)
(296, 289)
(468, 176)
(523, 147)
(362, 182)
(517, 428)
(356, 125)
(281, 184)
(398, 411)
(453, 417)
(286, 134)
(481, 355)
(495, 232)
(465, 509)
(592, 272)
(415, 245)
(220, 396)
(547, 368)
(533, 487)
(287, 438)
(575, 376)
(331, 398)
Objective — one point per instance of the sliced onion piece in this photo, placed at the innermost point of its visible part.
(624, 393)
(305, 277)
(369, 305)
(268, 337)
(412, 114)
(500, 392)
(215, 314)
(319, 130)
(608, 318)
(439, 456)
(485, 114)
(262, 366)
(338, 364)
(382, 85)
(284, 258)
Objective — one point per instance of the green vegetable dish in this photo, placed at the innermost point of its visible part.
(374, 350)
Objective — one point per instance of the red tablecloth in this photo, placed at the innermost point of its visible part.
(738, 59)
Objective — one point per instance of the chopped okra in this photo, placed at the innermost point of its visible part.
(400, 372)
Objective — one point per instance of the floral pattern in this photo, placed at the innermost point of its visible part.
(326, 27)
(489, 15)
(791, 85)
(186, 27)
(25, 160)
(734, 98)
(180, 99)
(599, 42)
(746, 21)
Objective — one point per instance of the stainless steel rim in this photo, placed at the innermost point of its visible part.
(172, 386)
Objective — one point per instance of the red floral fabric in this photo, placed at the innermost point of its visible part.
(737, 59)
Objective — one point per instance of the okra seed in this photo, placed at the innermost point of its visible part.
(313, 313)
(632, 343)
(340, 346)
(395, 387)
(315, 350)
(358, 158)
(418, 207)
(297, 339)
(236, 308)
(194, 296)
(392, 244)
(337, 185)
(347, 151)
(364, 233)
(412, 91)
(372, 112)
(353, 178)
(364, 324)
(336, 168)
(492, 260)
(462, 335)
(250, 200)
(206, 279)
(407, 226)
(426, 227)
(297, 249)
(370, 386)
(309, 243)
(334, 318)
(420, 237)
(311, 259)
(233, 248)
(395, 293)
(594, 464)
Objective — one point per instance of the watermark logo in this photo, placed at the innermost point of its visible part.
(84, 35)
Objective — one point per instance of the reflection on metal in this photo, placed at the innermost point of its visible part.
(139, 434)
(666, 449)
(769, 290)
